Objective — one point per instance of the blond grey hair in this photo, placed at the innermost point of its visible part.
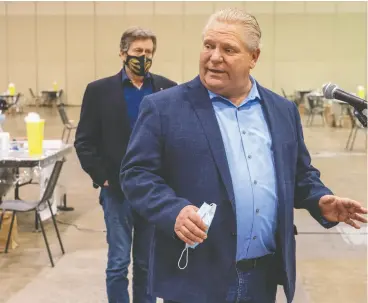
(252, 35)
(136, 33)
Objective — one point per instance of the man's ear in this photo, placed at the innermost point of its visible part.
(123, 56)
(255, 56)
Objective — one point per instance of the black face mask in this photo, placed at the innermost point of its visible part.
(138, 65)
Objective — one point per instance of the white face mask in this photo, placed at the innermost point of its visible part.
(206, 212)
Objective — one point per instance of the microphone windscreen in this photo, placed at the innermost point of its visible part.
(328, 90)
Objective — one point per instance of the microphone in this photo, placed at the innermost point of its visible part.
(332, 91)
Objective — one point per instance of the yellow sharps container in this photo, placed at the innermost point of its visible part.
(35, 134)
(361, 91)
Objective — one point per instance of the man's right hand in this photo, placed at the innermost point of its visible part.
(106, 183)
(189, 226)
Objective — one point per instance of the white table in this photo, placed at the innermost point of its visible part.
(13, 160)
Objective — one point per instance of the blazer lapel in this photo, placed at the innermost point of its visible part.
(117, 90)
(156, 83)
(197, 95)
(115, 94)
(276, 117)
(278, 120)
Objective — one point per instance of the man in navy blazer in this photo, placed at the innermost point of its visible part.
(222, 138)
(109, 111)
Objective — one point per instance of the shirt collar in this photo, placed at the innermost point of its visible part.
(252, 96)
(126, 78)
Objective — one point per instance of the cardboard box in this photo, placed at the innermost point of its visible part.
(4, 231)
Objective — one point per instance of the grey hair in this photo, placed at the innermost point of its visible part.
(136, 33)
(252, 30)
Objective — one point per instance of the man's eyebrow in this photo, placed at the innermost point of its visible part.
(226, 44)
(207, 40)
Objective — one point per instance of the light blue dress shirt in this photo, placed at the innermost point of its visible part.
(248, 145)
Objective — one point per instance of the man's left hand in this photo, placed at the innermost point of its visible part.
(336, 209)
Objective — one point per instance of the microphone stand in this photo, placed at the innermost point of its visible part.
(361, 116)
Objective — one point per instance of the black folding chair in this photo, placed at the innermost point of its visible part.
(68, 124)
(15, 104)
(316, 107)
(289, 97)
(36, 100)
(26, 206)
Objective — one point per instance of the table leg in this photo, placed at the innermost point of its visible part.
(64, 207)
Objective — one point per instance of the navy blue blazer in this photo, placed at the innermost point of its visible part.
(176, 157)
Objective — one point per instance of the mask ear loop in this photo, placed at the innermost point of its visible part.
(181, 256)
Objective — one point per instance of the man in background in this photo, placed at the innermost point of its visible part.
(222, 138)
(109, 112)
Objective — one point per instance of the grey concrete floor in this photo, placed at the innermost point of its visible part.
(331, 265)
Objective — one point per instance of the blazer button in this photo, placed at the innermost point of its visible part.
(233, 234)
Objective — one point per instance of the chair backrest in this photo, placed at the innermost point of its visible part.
(59, 96)
(308, 103)
(16, 100)
(52, 181)
(315, 101)
(298, 98)
(62, 113)
(32, 93)
(283, 92)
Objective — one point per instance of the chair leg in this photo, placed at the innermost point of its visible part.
(10, 232)
(45, 238)
(56, 228)
(67, 138)
(2, 218)
(62, 136)
(308, 120)
(349, 138)
(353, 138)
